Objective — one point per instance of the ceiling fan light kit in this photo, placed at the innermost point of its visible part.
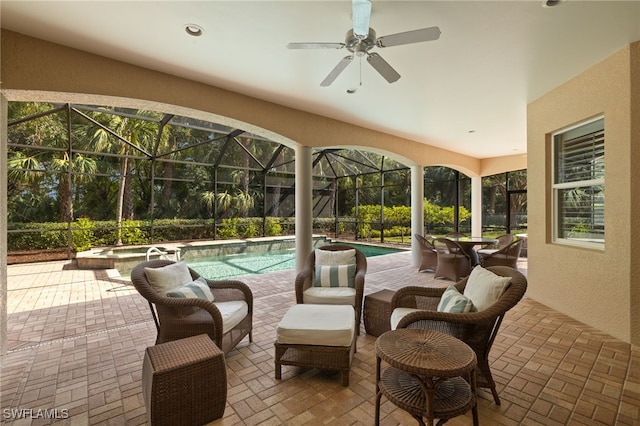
(362, 38)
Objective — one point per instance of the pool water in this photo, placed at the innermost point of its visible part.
(229, 266)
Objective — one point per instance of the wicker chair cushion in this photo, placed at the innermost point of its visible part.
(324, 325)
(335, 257)
(454, 302)
(232, 313)
(330, 296)
(398, 314)
(169, 277)
(198, 288)
(487, 251)
(335, 276)
(484, 287)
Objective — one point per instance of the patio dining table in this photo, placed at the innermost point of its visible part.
(468, 244)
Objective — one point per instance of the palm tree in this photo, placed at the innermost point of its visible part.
(242, 202)
(224, 201)
(134, 133)
(46, 131)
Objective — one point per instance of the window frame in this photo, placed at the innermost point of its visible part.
(556, 187)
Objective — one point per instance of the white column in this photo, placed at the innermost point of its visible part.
(417, 211)
(3, 227)
(476, 206)
(304, 205)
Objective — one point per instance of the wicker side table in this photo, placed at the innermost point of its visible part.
(184, 382)
(430, 375)
(377, 312)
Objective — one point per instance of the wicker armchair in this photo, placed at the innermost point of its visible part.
(477, 329)
(177, 318)
(453, 262)
(428, 254)
(507, 256)
(503, 241)
(304, 280)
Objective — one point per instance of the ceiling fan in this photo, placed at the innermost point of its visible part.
(361, 39)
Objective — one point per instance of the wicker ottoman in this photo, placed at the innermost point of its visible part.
(377, 312)
(184, 382)
(317, 336)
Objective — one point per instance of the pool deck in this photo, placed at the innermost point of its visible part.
(77, 340)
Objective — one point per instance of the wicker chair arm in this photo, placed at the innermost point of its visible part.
(303, 282)
(176, 302)
(359, 279)
(467, 318)
(406, 297)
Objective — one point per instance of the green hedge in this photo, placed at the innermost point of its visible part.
(86, 233)
(398, 218)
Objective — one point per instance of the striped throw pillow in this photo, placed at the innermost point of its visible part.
(335, 276)
(454, 302)
(196, 289)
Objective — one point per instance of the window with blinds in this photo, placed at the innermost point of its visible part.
(578, 185)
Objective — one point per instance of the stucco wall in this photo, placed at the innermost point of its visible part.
(593, 286)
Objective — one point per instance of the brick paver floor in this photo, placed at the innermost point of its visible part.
(77, 340)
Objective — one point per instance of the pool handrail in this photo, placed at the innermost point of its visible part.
(163, 254)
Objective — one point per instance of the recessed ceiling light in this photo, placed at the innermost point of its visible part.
(471, 131)
(551, 3)
(194, 30)
(351, 91)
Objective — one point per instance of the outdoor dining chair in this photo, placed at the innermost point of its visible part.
(503, 241)
(453, 262)
(507, 256)
(428, 254)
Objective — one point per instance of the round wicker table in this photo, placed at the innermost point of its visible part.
(430, 375)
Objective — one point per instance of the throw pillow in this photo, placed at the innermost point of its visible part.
(454, 302)
(198, 288)
(484, 287)
(169, 277)
(335, 257)
(335, 276)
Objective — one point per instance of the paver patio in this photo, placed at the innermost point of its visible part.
(77, 340)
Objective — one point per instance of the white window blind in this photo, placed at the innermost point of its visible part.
(579, 185)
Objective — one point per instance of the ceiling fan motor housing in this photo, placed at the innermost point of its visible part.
(359, 45)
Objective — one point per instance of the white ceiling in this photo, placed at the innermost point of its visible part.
(467, 91)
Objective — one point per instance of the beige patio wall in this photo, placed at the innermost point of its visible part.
(599, 288)
(36, 70)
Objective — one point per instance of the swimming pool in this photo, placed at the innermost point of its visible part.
(235, 265)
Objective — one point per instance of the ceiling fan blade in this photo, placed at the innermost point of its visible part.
(315, 45)
(415, 36)
(336, 71)
(361, 12)
(383, 67)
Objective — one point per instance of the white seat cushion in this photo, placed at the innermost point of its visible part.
(323, 325)
(398, 314)
(330, 296)
(487, 251)
(232, 313)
